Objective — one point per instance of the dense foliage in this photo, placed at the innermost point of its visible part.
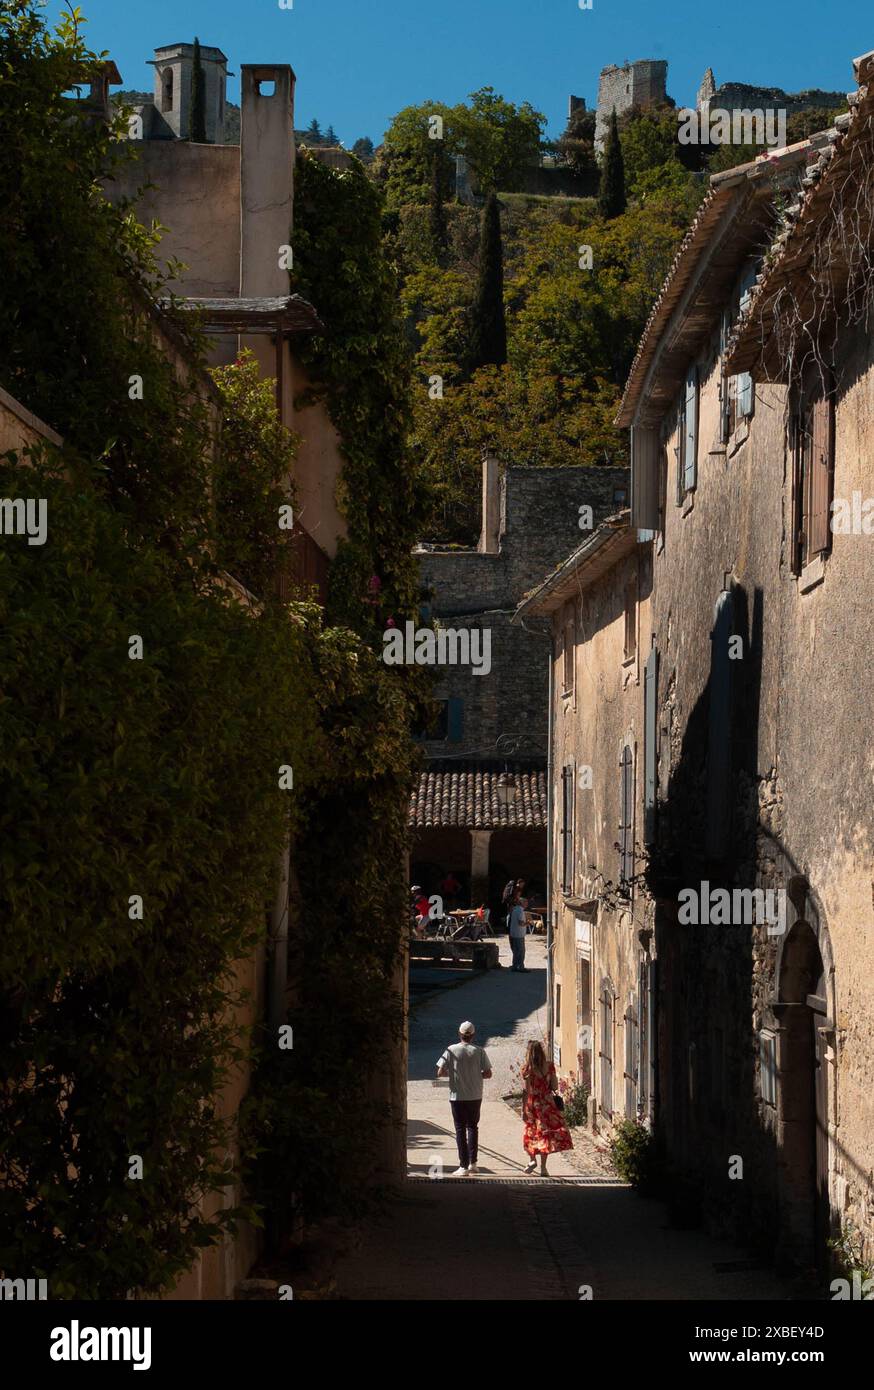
(156, 778)
(496, 137)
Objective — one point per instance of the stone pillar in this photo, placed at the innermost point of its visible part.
(490, 535)
(479, 867)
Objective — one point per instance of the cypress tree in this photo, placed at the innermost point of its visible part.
(437, 212)
(197, 124)
(488, 338)
(611, 196)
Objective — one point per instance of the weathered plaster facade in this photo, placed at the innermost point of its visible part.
(764, 772)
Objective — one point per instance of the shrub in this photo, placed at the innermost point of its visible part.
(631, 1152)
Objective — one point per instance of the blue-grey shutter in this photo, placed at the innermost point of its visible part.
(567, 829)
(720, 729)
(645, 457)
(744, 380)
(690, 447)
(650, 748)
(455, 719)
(626, 816)
(724, 381)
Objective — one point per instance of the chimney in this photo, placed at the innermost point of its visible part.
(490, 537)
(266, 176)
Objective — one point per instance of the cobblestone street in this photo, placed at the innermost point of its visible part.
(502, 1234)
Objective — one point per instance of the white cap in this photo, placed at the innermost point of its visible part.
(466, 1030)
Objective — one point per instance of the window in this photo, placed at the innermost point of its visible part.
(631, 620)
(569, 652)
(626, 818)
(650, 745)
(448, 722)
(737, 395)
(167, 90)
(558, 1004)
(605, 1053)
(567, 829)
(768, 1066)
(813, 472)
(687, 451)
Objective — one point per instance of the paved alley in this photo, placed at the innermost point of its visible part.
(505, 1235)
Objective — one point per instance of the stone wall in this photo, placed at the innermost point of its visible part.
(737, 96)
(801, 821)
(539, 528)
(641, 83)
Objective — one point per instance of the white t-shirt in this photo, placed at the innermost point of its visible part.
(465, 1063)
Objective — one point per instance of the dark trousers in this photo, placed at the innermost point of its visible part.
(465, 1113)
(517, 946)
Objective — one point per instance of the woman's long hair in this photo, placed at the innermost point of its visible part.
(535, 1058)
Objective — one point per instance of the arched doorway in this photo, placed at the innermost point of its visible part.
(805, 1014)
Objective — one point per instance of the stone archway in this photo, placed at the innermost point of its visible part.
(805, 1012)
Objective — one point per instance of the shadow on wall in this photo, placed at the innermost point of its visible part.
(742, 1067)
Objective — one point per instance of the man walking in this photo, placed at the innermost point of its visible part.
(467, 1066)
(517, 928)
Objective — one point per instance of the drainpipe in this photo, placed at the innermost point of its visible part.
(550, 942)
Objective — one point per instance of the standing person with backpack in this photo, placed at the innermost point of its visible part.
(507, 901)
(517, 926)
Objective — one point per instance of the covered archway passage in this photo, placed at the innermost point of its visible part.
(805, 1098)
(462, 822)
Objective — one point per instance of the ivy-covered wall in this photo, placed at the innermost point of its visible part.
(142, 807)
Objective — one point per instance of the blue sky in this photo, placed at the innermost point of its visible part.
(359, 61)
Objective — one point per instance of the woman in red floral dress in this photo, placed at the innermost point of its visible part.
(545, 1131)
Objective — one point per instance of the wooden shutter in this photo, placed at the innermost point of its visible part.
(797, 502)
(720, 729)
(455, 719)
(819, 494)
(644, 478)
(744, 387)
(606, 1049)
(567, 829)
(626, 813)
(724, 381)
(690, 446)
(650, 744)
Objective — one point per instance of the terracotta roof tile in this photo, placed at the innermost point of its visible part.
(466, 794)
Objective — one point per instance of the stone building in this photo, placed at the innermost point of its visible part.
(228, 211)
(168, 115)
(640, 84)
(601, 971)
(736, 775)
(494, 724)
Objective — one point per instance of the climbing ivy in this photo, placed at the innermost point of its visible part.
(360, 369)
(141, 810)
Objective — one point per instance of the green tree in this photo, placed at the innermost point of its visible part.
(497, 138)
(314, 132)
(577, 145)
(331, 136)
(198, 98)
(488, 333)
(417, 135)
(437, 210)
(363, 149)
(611, 195)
